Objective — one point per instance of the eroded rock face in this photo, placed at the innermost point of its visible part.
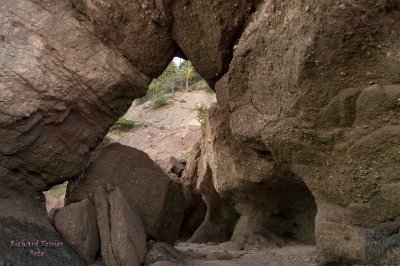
(275, 206)
(158, 200)
(299, 89)
(195, 209)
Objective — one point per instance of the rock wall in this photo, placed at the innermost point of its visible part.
(307, 118)
(312, 95)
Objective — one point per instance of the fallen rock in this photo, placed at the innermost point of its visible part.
(78, 225)
(128, 235)
(158, 200)
(104, 224)
(164, 254)
(23, 217)
(123, 237)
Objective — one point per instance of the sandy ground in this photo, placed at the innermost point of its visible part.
(218, 255)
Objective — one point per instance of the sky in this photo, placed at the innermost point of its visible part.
(177, 60)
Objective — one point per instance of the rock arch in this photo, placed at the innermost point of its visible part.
(313, 83)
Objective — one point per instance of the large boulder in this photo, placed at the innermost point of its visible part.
(77, 224)
(123, 237)
(61, 88)
(207, 30)
(158, 200)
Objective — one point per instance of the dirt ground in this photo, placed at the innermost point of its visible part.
(230, 254)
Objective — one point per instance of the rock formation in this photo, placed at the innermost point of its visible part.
(61, 88)
(158, 200)
(77, 224)
(299, 93)
(123, 237)
(307, 121)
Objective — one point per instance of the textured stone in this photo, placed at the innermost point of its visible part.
(77, 224)
(158, 200)
(123, 237)
(139, 29)
(128, 235)
(299, 93)
(60, 89)
(207, 30)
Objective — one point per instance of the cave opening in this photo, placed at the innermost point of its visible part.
(277, 212)
(165, 124)
(292, 210)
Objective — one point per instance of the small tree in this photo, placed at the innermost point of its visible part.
(189, 76)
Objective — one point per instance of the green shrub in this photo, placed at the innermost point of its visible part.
(200, 109)
(124, 122)
(158, 100)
